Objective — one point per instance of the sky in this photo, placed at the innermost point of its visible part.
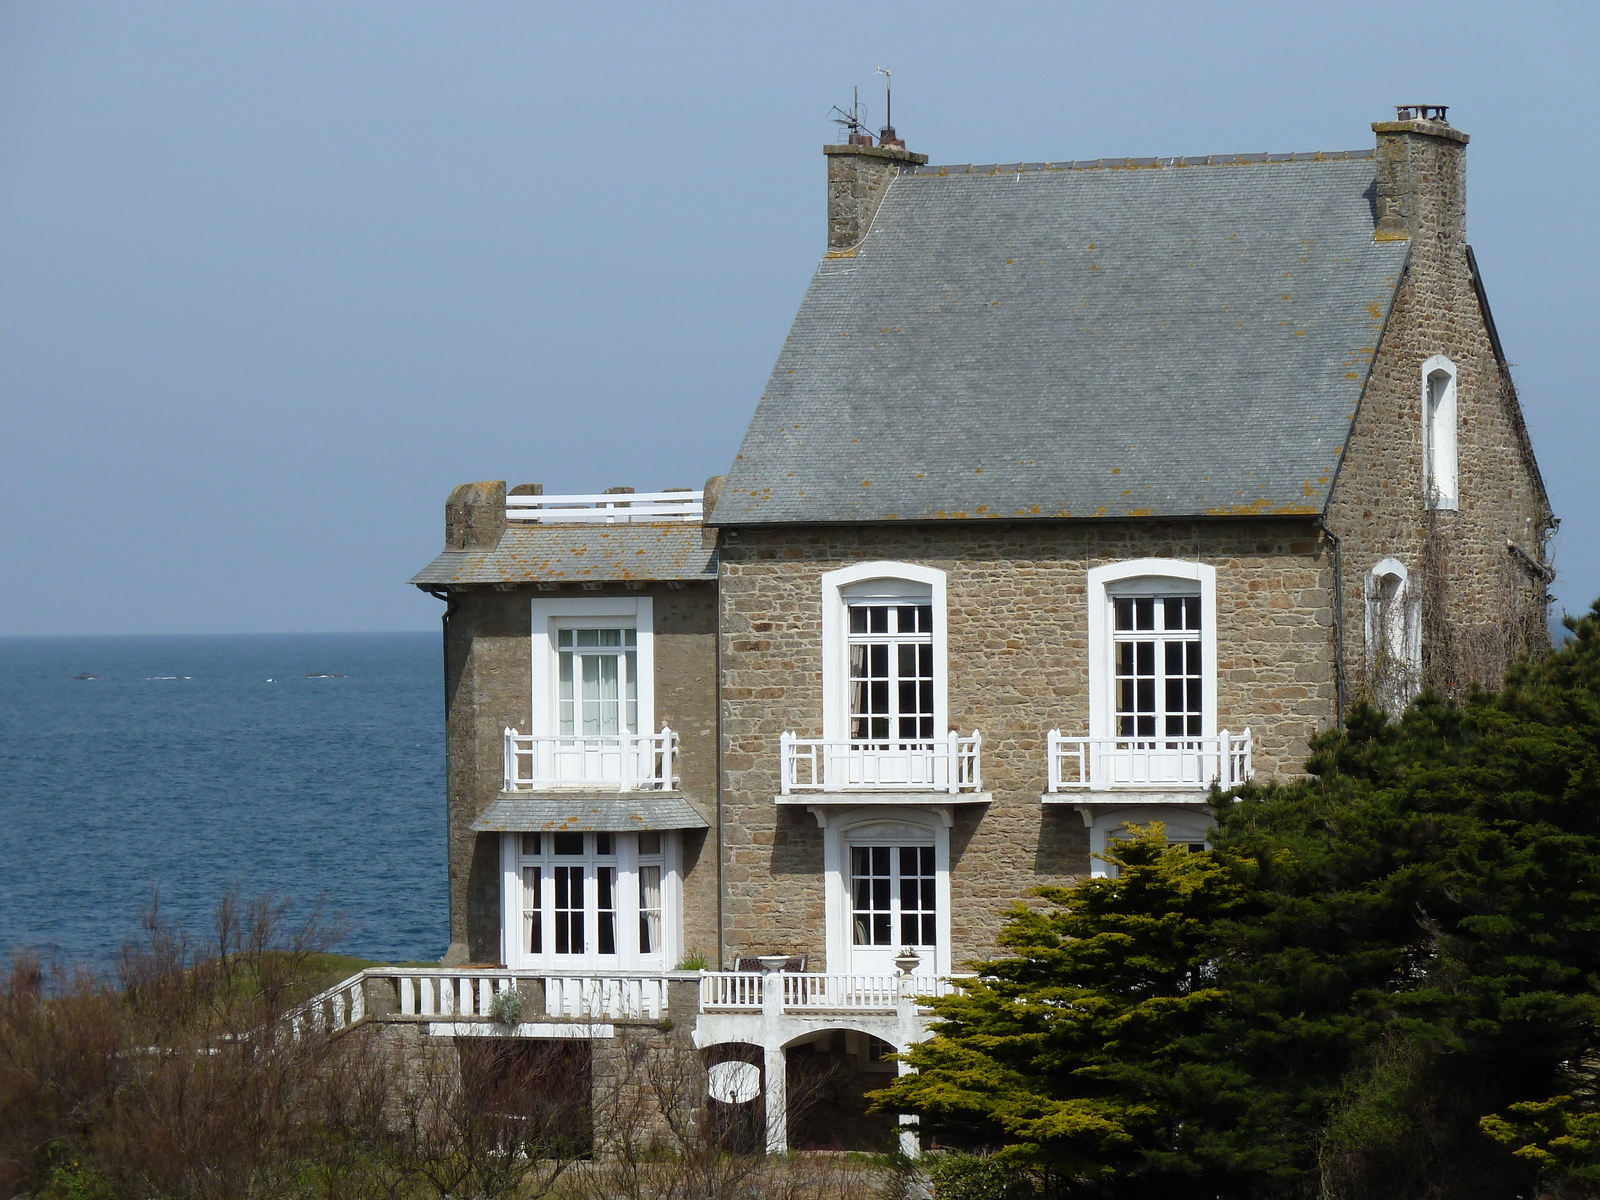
(274, 277)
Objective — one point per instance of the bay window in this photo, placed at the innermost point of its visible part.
(591, 899)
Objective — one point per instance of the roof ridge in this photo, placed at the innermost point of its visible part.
(1135, 164)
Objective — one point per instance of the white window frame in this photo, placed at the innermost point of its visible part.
(626, 861)
(876, 581)
(595, 612)
(1147, 577)
(1187, 824)
(1410, 651)
(1441, 450)
(878, 823)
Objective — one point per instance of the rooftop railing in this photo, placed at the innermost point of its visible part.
(1122, 763)
(626, 762)
(607, 508)
(946, 764)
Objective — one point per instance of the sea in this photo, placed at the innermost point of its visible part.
(169, 770)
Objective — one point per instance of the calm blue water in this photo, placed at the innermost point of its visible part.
(196, 762)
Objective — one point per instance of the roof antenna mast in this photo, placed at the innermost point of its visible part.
(857, 134)
(886, 135)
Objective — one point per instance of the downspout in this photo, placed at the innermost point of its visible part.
(451, 603)
(722, 939)
(1338, 621)
(450, 606)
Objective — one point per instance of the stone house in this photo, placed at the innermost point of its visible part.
(1076, 489)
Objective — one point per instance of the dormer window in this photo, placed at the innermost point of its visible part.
(1439, 458)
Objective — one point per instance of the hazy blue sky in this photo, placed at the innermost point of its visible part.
(274, 277)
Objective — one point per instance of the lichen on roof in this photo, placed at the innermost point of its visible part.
(1207, 332)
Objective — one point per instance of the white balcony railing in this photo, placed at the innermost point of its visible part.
(1111, 763)
(948, 764)
(626, 762)
(745, 991)
(609, 508)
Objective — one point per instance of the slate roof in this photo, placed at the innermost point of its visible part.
(567, 813)
(529, 553)
(1140, 338)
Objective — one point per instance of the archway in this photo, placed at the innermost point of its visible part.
(829, 1074)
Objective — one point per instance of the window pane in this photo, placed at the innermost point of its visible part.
(568, 843)
(606, 909)
(1124, 612)
(605, 844)
(530, 843)
(630, 714)
(1144, 613)
(600, 695)
(532, 902)
(649, 909)
(564, 637)
(649, 843)
(564, 693)
(858, 619)
(569, 908)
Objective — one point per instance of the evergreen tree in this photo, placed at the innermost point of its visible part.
(1384, 981)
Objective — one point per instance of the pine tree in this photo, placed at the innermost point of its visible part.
(1384, 981)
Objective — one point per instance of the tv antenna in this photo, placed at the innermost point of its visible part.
(888, 97)
(851, 119)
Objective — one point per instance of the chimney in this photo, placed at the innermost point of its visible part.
(858, 175)
(475, 516)
(1422, 178)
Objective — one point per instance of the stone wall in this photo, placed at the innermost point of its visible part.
(1481, 603)
(1018, 667)
(488, 681)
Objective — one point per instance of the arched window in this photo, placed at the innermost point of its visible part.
(1439, 455)
(883, 647)
(1394, 635)
(1153, 650)
(888, 888)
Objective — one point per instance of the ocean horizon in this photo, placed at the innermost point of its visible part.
(304, 766)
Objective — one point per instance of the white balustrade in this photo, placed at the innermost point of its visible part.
(610, 508)
(627, 762)
(812, 992)
(339, 1007)
(945, 764)
(724, 990)
(1111, 763)
(617, 997)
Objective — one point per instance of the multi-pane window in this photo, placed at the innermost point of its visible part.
(598, 681)
(572, 892)
(650, 864)
(1158, 671)
(892, 896)
(891, 672)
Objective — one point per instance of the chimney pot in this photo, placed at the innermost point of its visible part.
(1421, 177)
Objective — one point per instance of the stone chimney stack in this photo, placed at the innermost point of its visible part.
(1422, 179)
(475, 516)
(858, 175)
